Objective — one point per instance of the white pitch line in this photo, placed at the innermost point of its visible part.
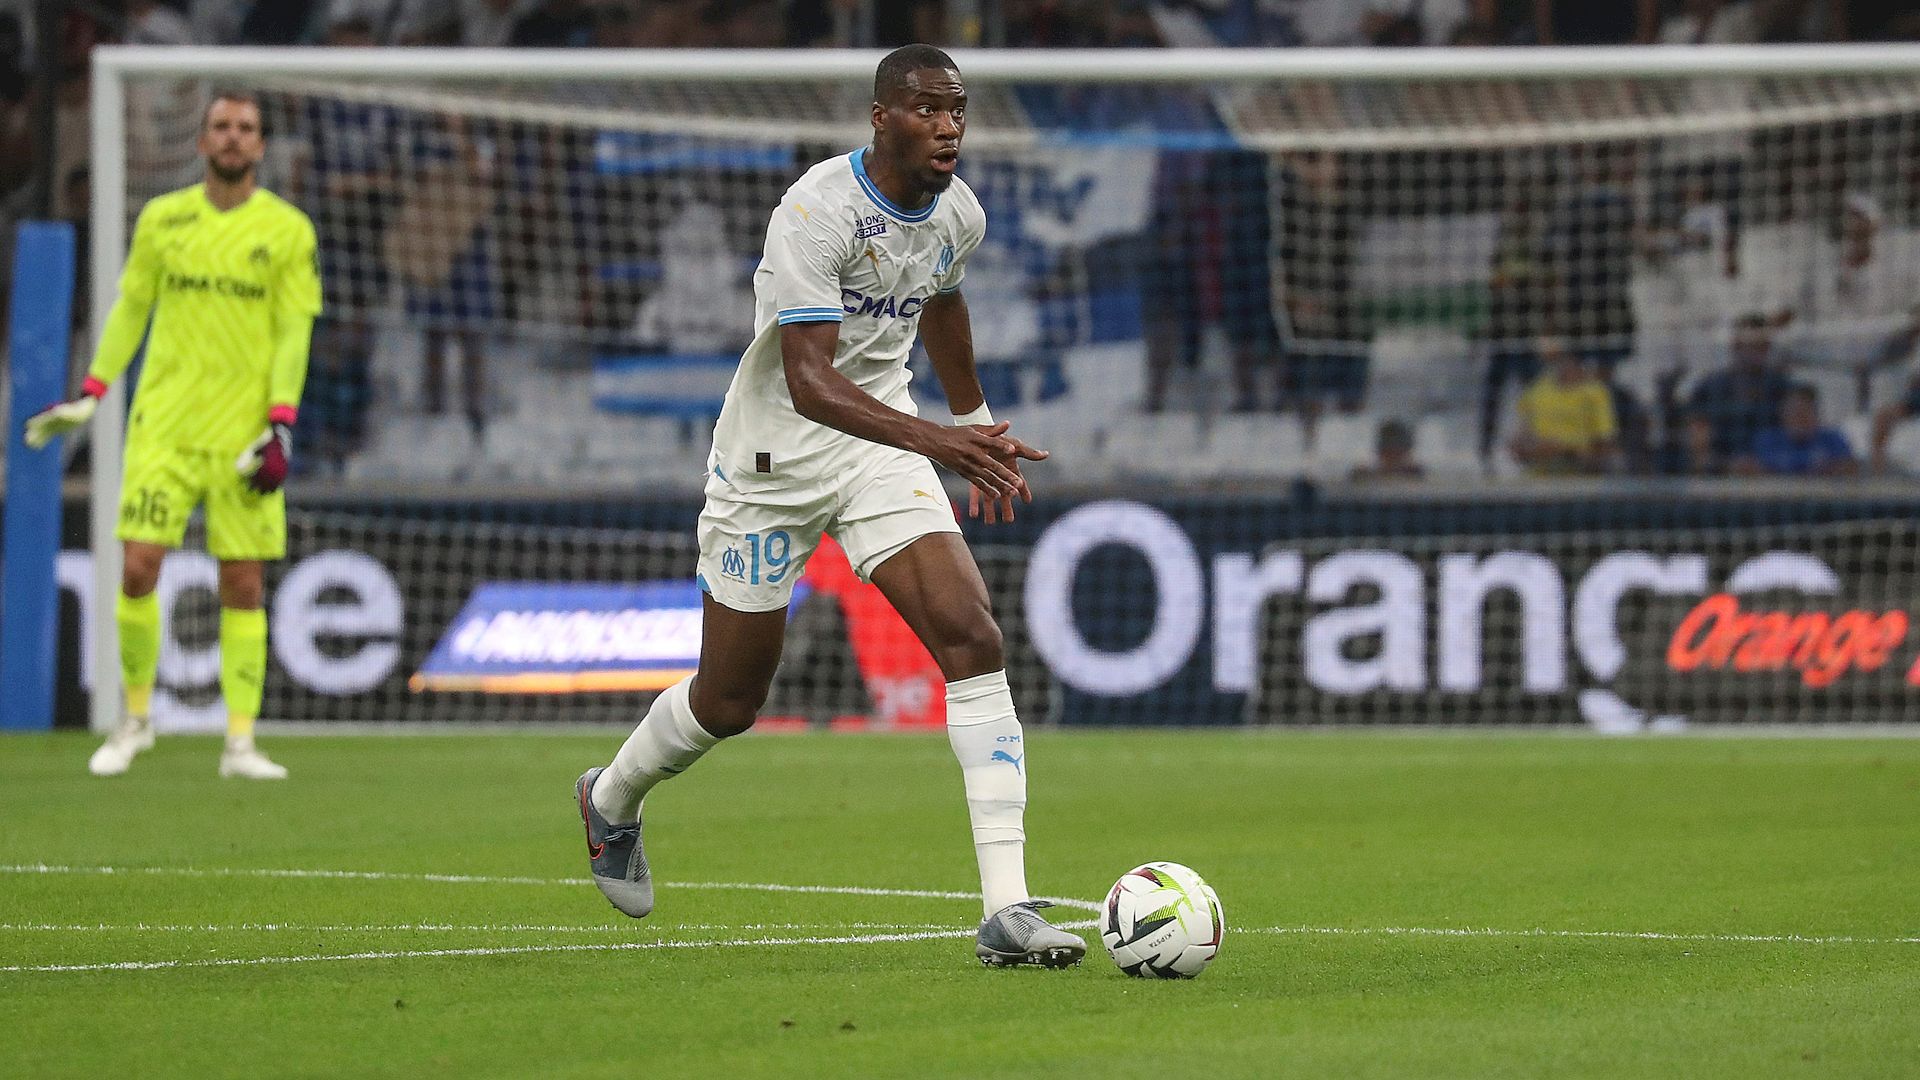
(483, 928)
(1631, 935)
(510, 950)
(476, 879)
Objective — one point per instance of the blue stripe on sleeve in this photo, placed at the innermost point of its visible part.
(811, 314)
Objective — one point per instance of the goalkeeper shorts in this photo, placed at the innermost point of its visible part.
(162, 486)
(756, 538)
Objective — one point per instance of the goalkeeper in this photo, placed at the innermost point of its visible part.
(226, 271)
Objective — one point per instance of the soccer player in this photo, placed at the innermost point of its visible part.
(226, 271)
(818, 434)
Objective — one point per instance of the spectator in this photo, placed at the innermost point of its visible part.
(150, 22)
(1858, 306)
(350, 182)
(1800, 446)
(1335, 23)
(472, 23)
(440, 245)
(16, 130)
(1874, 20)
(1695, 264)
(1516, 297)
(1324, 356)
(1209, 259)
(284, 22)
(78, 190)
(555, 24)
(1567, 418)
(1690, 449)
(1711, 22)
(1392, 455)
(1745, 397)
(1584, 22)
(1590, 240)
(1245, 246)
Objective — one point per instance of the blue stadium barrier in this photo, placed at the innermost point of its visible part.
(37, 352)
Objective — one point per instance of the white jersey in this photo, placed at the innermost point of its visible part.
(839, 251)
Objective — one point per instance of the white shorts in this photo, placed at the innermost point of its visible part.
(757, 535)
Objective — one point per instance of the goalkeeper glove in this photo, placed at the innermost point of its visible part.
(55, 420)
(264, 463)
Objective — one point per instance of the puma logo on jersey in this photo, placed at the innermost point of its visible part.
(874, 259)
(923, 494)
(805, 215)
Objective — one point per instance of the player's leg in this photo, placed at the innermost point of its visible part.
(751, 554)
(900, 535)
(157, 493)
(739, 651)
(244, 531)
(137, 615)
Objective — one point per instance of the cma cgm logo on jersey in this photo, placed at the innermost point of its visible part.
(855, 302)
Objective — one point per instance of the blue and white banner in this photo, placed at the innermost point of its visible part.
(547, 638)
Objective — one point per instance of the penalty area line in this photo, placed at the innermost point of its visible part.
(504, 950)
(1612, 935)
(479, 879)
(479, 928)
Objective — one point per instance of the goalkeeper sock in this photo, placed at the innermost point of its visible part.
(667, 741)
(138, 618)
(243, 669)
(985, 735)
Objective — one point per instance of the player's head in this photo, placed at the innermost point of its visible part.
(919, 115)
(230, 136)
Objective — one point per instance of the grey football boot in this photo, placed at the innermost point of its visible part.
(1016, 934)
(613, 851)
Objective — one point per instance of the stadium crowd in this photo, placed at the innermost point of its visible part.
(1581, 374)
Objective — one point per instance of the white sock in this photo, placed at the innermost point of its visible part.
(667, 741)
(985, 735)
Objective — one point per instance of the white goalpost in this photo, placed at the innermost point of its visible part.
(588, 214)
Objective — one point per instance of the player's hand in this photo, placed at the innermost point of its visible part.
(980, 504)
(265, 461)
(55, 420)
(982, 456)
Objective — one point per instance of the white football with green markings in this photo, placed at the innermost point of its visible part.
(1162, 921)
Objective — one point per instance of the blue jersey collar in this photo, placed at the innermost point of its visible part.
(873, 192)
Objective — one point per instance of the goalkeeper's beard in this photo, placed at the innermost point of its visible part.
(230, 175)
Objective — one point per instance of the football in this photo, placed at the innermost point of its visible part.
(1162, 921)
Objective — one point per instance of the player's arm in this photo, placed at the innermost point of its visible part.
(946, 329)
(807, 249)
(296, 302)
(983, 457)
(119, 339)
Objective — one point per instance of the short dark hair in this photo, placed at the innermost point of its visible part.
(1393, 434)
(244, 97)
(891, 76)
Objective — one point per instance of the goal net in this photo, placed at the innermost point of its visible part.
(1202, 268)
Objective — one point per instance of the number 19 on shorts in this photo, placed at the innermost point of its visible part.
(768, 558)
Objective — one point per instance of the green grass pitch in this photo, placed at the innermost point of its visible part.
(1398, 906)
